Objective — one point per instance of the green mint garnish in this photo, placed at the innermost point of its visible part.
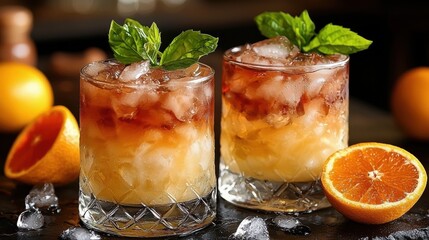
(187, 48)
(300, 30)
(133, 42)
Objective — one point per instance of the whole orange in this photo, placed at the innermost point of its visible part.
(410, 103)
(25, 92)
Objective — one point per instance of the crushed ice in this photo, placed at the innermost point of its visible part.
(78, 233)
(251, 228)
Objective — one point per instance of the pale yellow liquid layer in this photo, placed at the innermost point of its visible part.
(281, 149)
(157, 167)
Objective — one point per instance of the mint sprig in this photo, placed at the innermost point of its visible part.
(133, 42)
(187, 48)
(300, 30)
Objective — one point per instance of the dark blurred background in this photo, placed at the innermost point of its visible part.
(399, 29)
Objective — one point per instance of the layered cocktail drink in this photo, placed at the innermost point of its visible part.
(147, 148)
(283, 113)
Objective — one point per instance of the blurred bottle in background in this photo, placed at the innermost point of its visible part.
(15, 41)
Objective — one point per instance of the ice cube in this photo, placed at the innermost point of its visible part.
(284, 91)
(107, 73)
(252, 228)
(291, 224)
(127, 172)
(153, 160)
(280, 89)
(183, 74)
(317, 80)
(78, 233)
(275, 48)
(313, 111)
(42, 196)
(277, 51)
(277, 120)
(30, 219)
(314, 85)
(125, 105)
(269, 89)
(420, 233)
(182, 103)
(134, 71)
(335, 86)
(95, 68)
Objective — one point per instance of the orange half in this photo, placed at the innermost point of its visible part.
(372, 182)
(47, 150)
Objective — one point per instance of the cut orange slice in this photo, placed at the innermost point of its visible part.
(47, 150)
(373, 183)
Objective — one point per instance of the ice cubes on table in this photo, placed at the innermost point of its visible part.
(30, 219)
(42, 196)
(251, 228)
(291, 224)
(286, 222)
(134, 71)
(419, 233)
(78, 233)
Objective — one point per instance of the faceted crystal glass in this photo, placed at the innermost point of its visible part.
(147, 149)
(279, 124)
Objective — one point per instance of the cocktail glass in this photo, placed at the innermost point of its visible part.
(147, 149)
(283, 113)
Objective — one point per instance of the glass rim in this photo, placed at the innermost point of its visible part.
(285, 68)
(133, 84)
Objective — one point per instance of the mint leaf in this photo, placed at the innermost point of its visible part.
(152, 37)
(299, 30)
(133, 42)
(124, 46)
(273, 24)
(304, 28)
(336, 39)
(187, 48)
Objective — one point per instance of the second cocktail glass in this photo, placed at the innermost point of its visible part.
(283, 113)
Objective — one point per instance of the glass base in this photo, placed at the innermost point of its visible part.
(175, 219)
(270, 196)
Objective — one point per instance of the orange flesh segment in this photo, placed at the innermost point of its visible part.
(37, 142)
(374, 176)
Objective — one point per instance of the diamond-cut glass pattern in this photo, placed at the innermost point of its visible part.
(176, 218)
(271, 196)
